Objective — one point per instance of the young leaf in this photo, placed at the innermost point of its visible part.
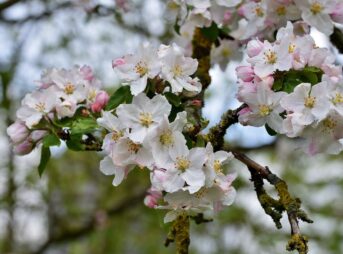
(83, 125)
(211, 32)
(173, 99)
(120, 96)
(45, 156)
(75, 143)
(51, 140)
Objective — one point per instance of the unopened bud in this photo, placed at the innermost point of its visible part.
(18, 132)
(23, 148)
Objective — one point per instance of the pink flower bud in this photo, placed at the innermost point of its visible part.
(227, 16)
(244, 111)
(337, 14)
(117, 62)
(151, 200)
(245, 73)
(242, 10)
(38, 135)
(196, 102)
(254, 47)
(18, 132)
(87, 72)
(23, 148)
(101, 101)
(269, 81)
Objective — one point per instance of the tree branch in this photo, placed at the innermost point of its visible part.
(7, 4)
(275, 208)
(45, 14)
(217, 132)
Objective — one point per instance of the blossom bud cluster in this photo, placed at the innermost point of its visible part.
(294, 88)
(167, 63)
(247, 18)
(60, 93)
(141, 135)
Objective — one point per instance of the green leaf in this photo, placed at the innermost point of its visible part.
(51, 140)
(211, 32)
(173, 99)
(75, 143)
(83, 125)
(310, 77)
(313, 69)
(45, 156)
(277, 86)
(121, 95)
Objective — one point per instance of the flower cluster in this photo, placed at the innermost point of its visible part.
(294, 88)
(141, 134)
(247, 18)
(167, 63)
(60, 93)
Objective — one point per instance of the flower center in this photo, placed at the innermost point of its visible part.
(259, 11)
(226, 52)
(40, 106)
(264, 110)
(167, 138)
(145, 119)
(329, 124)
(92, 95)
(141, 68)
(133, 147)
(218, 166)
(291, 48)
(338, 98)
(270, 56)
(69, 88)
(177, 70)
(281, 10)
(316, 8)
(182, 163)
(201, 193)
(117, 135)
(310, 101)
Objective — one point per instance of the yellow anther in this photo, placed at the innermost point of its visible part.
(182, 163)
(141, 68)
(270, 57)
(145, 119)
(218, 166)
(166, 138)
(291, 48)
(310, 101)
(264, 110)
(338, 98)
(177, 70)
(69, 88)
(133, 147)
(316, 8)
(281, 10)
(259, 11)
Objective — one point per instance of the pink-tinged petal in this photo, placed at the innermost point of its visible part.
(118, 62)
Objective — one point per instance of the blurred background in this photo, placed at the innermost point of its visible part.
(74, 208)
